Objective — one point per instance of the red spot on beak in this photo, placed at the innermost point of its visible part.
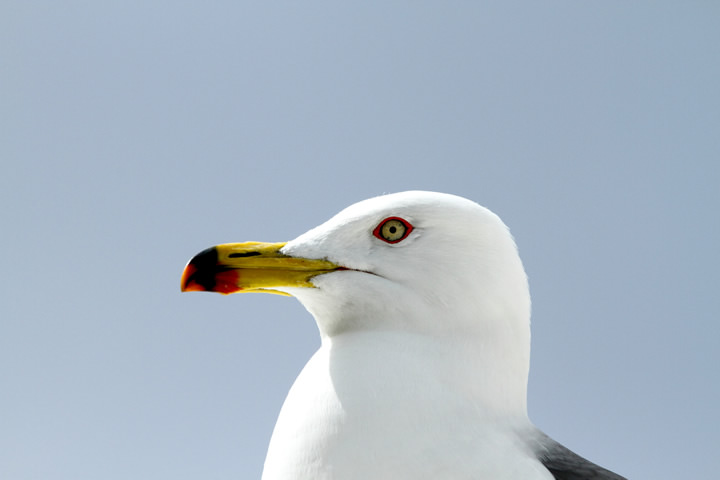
(226, 282)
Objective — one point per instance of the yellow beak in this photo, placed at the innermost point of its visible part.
(250, 267)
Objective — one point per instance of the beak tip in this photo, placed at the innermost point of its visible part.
(187, 283)
(203, 273)
(198, 275)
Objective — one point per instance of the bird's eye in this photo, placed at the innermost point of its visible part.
(393, 230)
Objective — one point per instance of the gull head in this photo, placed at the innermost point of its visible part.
(418, 262)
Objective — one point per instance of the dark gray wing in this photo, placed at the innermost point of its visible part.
(567, 465)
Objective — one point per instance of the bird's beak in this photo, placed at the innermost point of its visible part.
(250, 267)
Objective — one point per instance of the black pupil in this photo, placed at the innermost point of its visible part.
(393, 229)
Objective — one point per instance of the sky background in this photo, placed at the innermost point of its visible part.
(135, 134)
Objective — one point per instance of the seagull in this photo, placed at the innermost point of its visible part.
(423, 309)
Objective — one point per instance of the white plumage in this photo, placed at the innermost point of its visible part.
(423, 367)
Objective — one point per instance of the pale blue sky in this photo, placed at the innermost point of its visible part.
(134, 134)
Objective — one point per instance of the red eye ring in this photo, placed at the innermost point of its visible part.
(393, 230)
